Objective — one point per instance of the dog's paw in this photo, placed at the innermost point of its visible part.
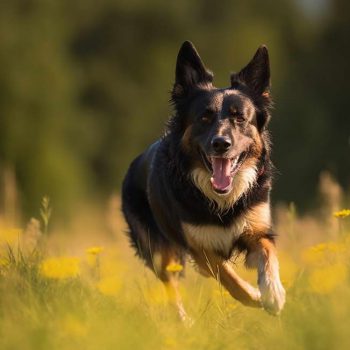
(255, 297)
(273, 295)
(187, 321)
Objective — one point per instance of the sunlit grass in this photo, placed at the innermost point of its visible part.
(60, 268)
(97, 295)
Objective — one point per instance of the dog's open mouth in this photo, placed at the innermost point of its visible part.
(223, 170)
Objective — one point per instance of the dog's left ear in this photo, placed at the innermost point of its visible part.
(256, 74)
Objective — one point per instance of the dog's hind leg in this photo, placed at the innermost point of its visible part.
(221, 270)
(149, 243)
(172, 265)
(166, 262)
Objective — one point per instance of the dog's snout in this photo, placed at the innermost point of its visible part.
(221, 144)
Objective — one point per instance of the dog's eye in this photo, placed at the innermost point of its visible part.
(238, 116)
(206, 119)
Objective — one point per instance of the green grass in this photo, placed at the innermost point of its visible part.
(114, 302)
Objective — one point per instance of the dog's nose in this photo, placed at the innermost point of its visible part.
(221, 144)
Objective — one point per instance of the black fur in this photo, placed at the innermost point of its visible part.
(158, 193)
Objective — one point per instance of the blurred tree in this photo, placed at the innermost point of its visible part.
(40, 123)
(84, 86)
(312, 131)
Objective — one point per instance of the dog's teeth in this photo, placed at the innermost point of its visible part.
(234, 162)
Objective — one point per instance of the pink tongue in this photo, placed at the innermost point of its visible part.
(221, 173)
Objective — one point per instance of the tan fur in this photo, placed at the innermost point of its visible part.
(211, 237)
(185, 141)
(170, 280)
(242, 181)
(222, 270)
(257, 145)
(258, 218)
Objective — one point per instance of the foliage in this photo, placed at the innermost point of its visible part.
(84, 86)
(104, 298)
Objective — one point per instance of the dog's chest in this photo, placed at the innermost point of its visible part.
(213, 237)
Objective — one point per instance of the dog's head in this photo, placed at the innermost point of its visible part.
(222, 130)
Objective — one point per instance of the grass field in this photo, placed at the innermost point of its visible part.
(82, 288)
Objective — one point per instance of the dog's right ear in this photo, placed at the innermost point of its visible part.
(190, 71)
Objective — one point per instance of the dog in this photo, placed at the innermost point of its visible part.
(203, 189)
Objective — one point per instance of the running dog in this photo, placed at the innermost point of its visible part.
(203, 188)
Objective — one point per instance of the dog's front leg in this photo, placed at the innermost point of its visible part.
(262, 255)
(222, 270)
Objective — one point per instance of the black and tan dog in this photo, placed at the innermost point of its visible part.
(203, 188)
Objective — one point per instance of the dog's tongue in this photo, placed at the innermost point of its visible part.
(221, 173)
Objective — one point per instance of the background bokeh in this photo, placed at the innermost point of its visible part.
(84, 87)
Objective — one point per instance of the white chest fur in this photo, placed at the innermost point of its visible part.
(212, 237)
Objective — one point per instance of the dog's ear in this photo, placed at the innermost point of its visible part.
(256, 74)
(190, 71)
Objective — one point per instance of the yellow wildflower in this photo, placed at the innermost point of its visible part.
(323, 253)
(342, 213)
(109, 285)
(93, 255)
(173, 267)
(60, 268)
(94, 250)
(327, 279)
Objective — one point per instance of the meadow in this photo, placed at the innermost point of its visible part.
(80, 287)
(84, 88)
